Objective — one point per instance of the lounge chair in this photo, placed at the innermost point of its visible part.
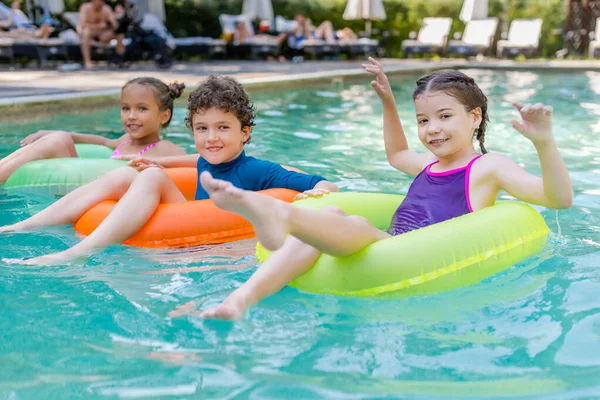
(41, 50)
(191, 45)
(6, 50)
(477, 38)
(360, 46)
(30, 47)
(255, 47)
(432, 37)
(595, 44)
(523, 38)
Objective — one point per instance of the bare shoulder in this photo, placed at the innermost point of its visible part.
(170, 147)
(490, 164)
(107, 10)
(494, 161)
(85, 8)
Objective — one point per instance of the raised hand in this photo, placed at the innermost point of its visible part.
(142, 163)
(381, 85)
(536, 124)
(311, 193)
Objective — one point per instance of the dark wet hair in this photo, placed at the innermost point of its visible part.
(224, 93)
(461, 87)
(164, 94)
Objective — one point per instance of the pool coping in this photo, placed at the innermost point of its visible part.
(11, 108)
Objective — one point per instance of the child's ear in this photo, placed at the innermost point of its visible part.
(165, 116)
(477, 117)
(247, 131)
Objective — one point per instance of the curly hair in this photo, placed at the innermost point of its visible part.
(224, 93)
(464, 89)
(165, 94)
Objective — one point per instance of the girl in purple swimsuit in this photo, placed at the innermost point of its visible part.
(146, 108)
(452, 179)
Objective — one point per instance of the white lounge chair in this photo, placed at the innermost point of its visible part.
(432, 37)
(523, 38)
(477, 38)
(595, 44)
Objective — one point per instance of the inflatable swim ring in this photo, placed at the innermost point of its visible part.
(183, 224)
(439, 257)
(59, 176)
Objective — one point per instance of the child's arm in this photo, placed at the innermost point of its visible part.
(553, 189)
(396, 146)
(183, 161)
(319, 190)
(77, 138)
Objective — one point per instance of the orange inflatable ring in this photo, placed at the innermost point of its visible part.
(183, 224)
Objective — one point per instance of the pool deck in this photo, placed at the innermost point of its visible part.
(22, 87)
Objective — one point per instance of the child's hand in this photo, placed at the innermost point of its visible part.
(34, 136)
(311, 193)
(142, 163)
(381, 85)
(537, 122)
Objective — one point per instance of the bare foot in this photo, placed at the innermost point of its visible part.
(267, 215)
(51, 259)
(232, 309)
(225, 312)
(18, 227)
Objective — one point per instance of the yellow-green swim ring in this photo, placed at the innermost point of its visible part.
(439, 257)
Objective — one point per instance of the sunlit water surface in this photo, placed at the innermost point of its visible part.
(100, 329)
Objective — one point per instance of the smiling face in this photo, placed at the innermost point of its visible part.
(445, 127)
(218, 135)
(140, 113)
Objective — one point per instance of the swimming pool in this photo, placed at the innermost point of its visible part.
(101, 329)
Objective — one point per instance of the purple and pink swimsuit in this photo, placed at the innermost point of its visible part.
(433, 197)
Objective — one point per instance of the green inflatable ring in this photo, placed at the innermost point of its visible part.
(444, 256)
(93, 151)
(59, 176)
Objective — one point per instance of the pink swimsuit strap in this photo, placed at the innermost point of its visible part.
(117, 152)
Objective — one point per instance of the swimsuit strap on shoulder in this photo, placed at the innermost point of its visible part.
(145, 149)
(117, 152)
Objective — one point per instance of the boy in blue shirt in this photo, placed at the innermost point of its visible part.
(221, 116)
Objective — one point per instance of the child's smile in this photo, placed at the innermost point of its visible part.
(218, 135)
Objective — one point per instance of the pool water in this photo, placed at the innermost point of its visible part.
(101, 328)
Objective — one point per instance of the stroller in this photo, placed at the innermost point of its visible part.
(147, 38)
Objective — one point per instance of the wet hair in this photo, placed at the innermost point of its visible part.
(464, 89)
(223, 93)
(163, 93)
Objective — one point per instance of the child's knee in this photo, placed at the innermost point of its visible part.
(120, 177)
(361, 222)
(154, 174)
(334, 209)
(61, 142)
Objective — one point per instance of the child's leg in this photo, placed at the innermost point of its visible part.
(150, 188)
(68, 209)
(54, 145)
(325, 31)
(292, 260)
(273, 219)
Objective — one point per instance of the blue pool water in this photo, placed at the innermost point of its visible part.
(101, 330)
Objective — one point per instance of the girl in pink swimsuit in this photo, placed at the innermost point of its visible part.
(146, 108)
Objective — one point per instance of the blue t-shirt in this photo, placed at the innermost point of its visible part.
(250, 173)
